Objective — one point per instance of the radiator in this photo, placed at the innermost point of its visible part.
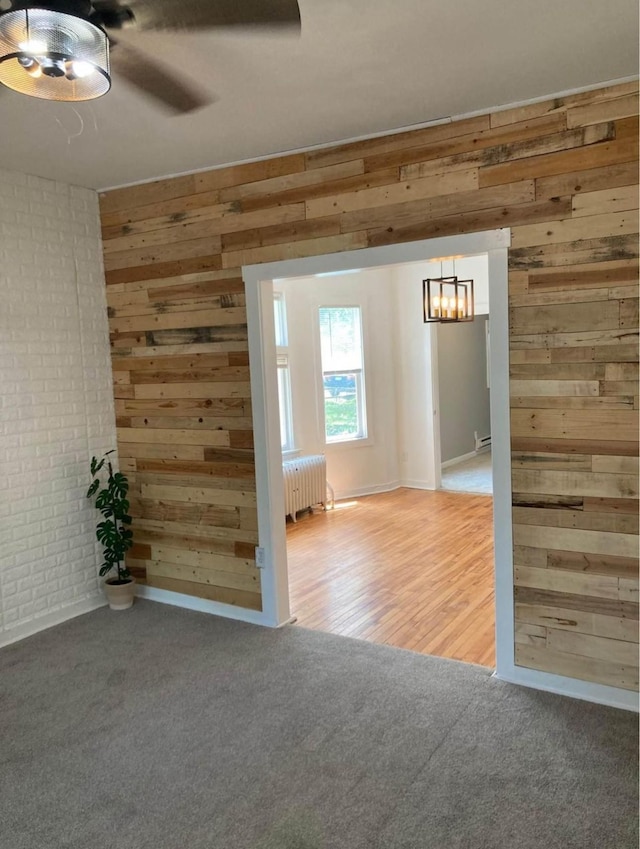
(305, 483)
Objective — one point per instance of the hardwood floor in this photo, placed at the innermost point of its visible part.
(409, 568)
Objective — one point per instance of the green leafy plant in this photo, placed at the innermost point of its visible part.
(113, 533)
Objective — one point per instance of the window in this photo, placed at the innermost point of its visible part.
(342, 373)
(284, 380)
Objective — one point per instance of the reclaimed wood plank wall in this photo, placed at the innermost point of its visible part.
(563, 175)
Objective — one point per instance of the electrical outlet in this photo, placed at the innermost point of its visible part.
(260, 557)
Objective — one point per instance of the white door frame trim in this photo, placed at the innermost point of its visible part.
(264, 393)
(271, 527)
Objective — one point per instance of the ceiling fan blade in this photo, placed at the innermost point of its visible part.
(151, 78)
(208, 14)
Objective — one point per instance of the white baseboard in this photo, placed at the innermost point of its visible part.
(57, 617)
(601, 694)
(341, 495)
(455, 460)
(418, 484)
(203, 605)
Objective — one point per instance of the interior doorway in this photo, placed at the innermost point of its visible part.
(264, 391)
(361, 378)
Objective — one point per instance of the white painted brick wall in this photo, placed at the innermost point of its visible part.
(56, 402)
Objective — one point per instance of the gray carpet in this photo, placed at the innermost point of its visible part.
(472, 475)
(160, 728)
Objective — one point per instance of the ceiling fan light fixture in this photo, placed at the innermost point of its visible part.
(53, 55)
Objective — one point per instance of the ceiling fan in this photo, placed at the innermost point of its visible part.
(62, 49)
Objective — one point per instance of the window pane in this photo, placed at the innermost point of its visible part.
(284, 401)
(280, 317)
(340, 338)
(342, 377)
(342, 406)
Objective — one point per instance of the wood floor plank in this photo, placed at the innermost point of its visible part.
(409, 568)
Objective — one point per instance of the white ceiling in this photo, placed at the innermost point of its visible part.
(360, 67)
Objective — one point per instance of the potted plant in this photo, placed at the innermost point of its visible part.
(113, 532)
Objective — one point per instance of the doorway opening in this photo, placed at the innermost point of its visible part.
(265, 358)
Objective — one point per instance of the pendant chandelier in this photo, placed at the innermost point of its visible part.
(447, 299)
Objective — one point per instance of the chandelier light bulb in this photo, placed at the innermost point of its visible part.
(33, 46)
(82, 69)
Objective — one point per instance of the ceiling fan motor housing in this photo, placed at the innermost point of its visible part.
(53, 51)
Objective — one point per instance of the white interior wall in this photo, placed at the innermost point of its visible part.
(56, 403)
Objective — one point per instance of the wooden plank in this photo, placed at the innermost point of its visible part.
(225, 595)
(611, 505)
(609, 110)
(202, 575)
(335, 187)
(572, 425)
(629, 313)
(201, 495)
(601, 249)
(514, 114)
(175, 320)
(209, 224)
(172, 206)
(210, 262)
(616, 465)
(594, 155)
(207, 470)
(486, 147)
(588, 645)
(565, 581)
(574, 482)
(186, 336)
(148, 527)
(623, 523)
(578, 621)
(605, 200)
(590, 180)
(296, 180)
(574, 666)
(277, 234)
(206, 560)
(439, 184)
(160, 254)
(229, 423)
(568, 402)
(598, 564)
(146, 193)
(236, 389)
(564, 318)
(554, 387)
(295, 250)
(179, 437)
(249, 172)
(229, 374)
(578, 446)
(570, 229)
(415, 212)
(619, 353)
(145, 451)
(589, 604)
(395, 141)
(583, 338)
(470, 222)
(569, 462)
(569, 539)
(543, 297)
(586, 275)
